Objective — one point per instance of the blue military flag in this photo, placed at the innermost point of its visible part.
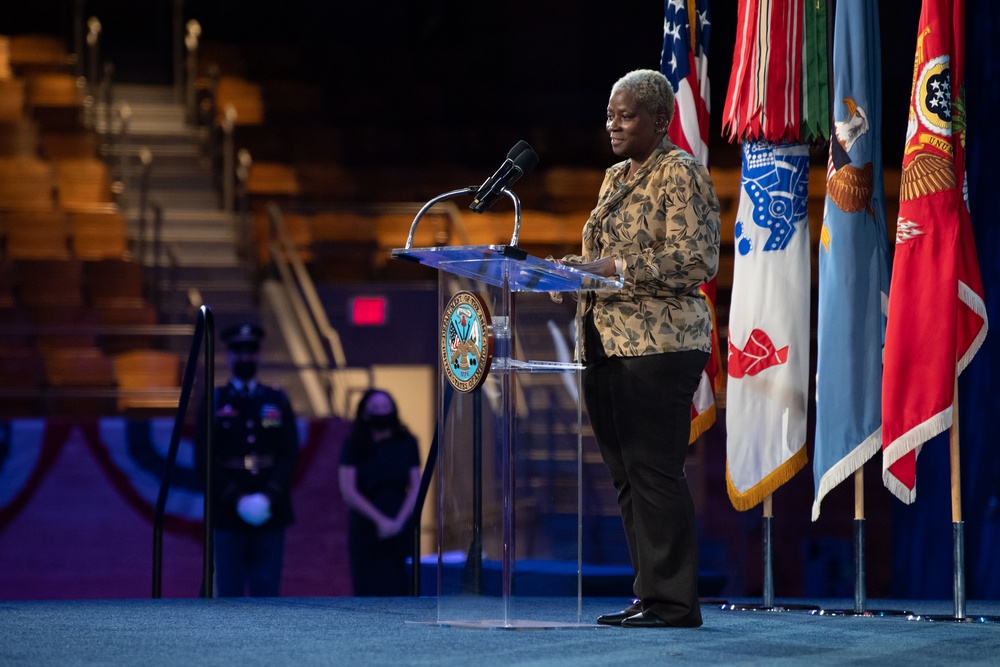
(853, 259)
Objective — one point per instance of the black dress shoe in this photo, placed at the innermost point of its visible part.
(644, 619)
(619, 616)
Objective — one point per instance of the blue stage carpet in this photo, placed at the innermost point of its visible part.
(403, 631)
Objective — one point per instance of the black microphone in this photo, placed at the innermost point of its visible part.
(520, 160)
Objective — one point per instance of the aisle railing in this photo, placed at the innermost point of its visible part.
(204, 334)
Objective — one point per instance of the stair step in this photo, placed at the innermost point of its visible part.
(185, 234)
(154, 131)
(175, 201)
(194, 217)
(235, 297)
(195, 273)
(188, 255)
(201, 236)
(137, 93)
(164, 148)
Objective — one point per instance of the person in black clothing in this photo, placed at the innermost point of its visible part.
(379, 480)
(255, 451)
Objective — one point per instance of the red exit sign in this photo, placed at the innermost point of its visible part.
(369, 311)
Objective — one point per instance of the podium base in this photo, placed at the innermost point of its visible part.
(772, 608)
(498, 624)
(867, 613)
(937, 618)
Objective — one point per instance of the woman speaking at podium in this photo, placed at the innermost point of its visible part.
(657, 225)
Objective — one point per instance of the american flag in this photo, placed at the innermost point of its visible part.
(684, 61)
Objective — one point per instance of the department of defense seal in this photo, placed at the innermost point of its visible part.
(466, 341)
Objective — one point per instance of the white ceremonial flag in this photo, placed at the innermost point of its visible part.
(768, 362)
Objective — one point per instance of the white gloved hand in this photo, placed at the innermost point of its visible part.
(255, 508)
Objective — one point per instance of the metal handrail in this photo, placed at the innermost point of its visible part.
(157, 238)
(122, 138)
(107, 94)
(146, 162)
(93, 53)
(204, 333)
(228, 158)
(78, 38)
(191, 39)
(323, 341)
(177, 49)
(430, 465)
(244, 221)
(305, 281)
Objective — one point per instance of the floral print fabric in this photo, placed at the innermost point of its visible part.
(664, 224)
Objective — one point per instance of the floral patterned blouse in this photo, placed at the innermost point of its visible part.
(664, 224)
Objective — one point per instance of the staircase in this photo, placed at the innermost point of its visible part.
(198, 261)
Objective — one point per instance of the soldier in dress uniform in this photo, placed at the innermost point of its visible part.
(255, 450)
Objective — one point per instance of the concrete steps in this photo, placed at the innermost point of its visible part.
(200, 259)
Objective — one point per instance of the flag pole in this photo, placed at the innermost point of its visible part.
(767, 528)
(957, 530)
(958, 526)
(767, 604)
(860, 562)
(860, 585)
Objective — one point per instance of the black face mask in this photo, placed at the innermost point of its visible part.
(245, 370)
(381, 422)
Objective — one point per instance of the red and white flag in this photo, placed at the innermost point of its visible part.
(764, 98)
(937, 315)
(684, 61)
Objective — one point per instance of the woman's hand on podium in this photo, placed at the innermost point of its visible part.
(605, 266)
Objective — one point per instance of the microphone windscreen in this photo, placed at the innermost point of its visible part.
(526, 161)
(518, 148)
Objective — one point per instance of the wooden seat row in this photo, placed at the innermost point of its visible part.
(54, 101)
(86, 380)
(72, 183)
(22, 138)
(33, 53)
(112, 324)
(36, 283)
(22, 134)
(60, 234)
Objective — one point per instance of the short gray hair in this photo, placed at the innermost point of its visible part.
(650, 89)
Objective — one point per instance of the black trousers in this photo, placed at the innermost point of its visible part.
(640, 409)
(378, 566)
(248, 562)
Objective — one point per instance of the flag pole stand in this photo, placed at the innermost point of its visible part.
(957, 533)
(768, 593)
(860, 567)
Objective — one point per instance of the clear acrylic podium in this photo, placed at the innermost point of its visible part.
(510, 454)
